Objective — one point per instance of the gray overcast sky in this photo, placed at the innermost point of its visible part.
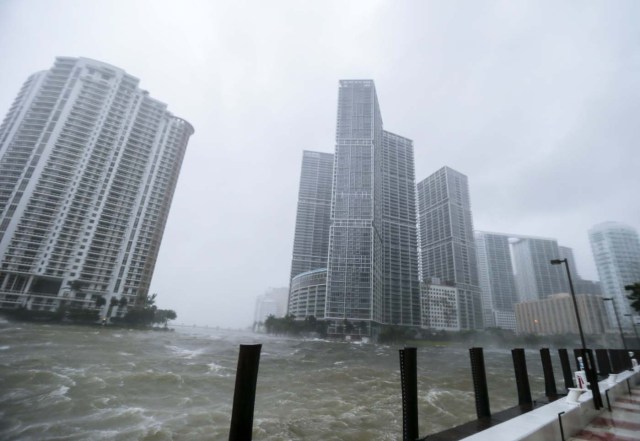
(537, 102)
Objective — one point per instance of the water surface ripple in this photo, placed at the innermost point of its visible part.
(79, 383)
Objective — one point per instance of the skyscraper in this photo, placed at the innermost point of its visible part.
(311, 239)
(616, 251)
(446, 240)
(495, 272)
(372, 275)
(401, 279)
(536, 278)
(88, 167)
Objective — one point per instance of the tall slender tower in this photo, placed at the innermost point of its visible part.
(401, 279)
(308, 282)
(88, 166)
(495, 271)
(616, 251)
(311, 239)
(371, 216)
(446, 240)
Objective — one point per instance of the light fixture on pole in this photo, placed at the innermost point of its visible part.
(589, 363)
(573, 296)
(606, 299)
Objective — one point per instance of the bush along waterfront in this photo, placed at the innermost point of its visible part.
(389, 334)
(144, 314)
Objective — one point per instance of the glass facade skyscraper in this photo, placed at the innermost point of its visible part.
(536, 278)
(311, 239)
(616, 251)
(446, 240)
(88, 166)
(401, 279)
(368, 242)
(495, 272)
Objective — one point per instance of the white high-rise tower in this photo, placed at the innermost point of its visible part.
(616, 251)
(88, 167)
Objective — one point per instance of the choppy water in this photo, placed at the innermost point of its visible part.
(79, 383)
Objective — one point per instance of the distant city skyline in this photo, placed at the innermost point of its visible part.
(534, 101)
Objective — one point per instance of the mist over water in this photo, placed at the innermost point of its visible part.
(83, 383)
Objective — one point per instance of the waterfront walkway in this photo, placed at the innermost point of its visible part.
(621, 424)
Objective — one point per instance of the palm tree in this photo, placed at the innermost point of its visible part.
(634, 296)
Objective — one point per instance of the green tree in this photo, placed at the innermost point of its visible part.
(634, 296)
(162, 316)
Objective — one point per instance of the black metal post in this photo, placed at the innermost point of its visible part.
(588, 366)
(480, 383)
(245, 393)
(592, 377)
(604, 365)
(409, 380)
(614, 354)
(522, 377)
(566, 368)
(547, 368)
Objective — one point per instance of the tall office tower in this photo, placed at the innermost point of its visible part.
(616, 251)
(446, 240)
(311, 240)
(367, 160)
(536, 278)
(401, 281)
(495, 273)
(88, 167)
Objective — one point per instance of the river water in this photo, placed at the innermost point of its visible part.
(84, 383)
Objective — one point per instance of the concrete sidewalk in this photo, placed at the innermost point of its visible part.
(621, 424)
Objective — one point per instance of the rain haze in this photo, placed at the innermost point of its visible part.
(536, 102)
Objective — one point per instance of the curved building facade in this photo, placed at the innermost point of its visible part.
(308, 293)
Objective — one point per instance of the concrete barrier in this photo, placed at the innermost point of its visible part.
(543, 423)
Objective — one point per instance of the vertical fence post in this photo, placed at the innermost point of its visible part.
(245, 393)
(592, 377)
(604, 366)
(522, 377)
(615, 360)
(549, 379)
(409, 380)
(566, 368)
(480, 383)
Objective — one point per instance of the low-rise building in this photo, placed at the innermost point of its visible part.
(439, 306)
(556, 315)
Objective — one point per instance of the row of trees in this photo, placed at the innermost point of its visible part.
(288, 325)
(634, 296)
(146, 313)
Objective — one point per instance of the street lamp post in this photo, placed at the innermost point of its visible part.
(573, 296)
(635, 331)
(589, 363)
(624, 343)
